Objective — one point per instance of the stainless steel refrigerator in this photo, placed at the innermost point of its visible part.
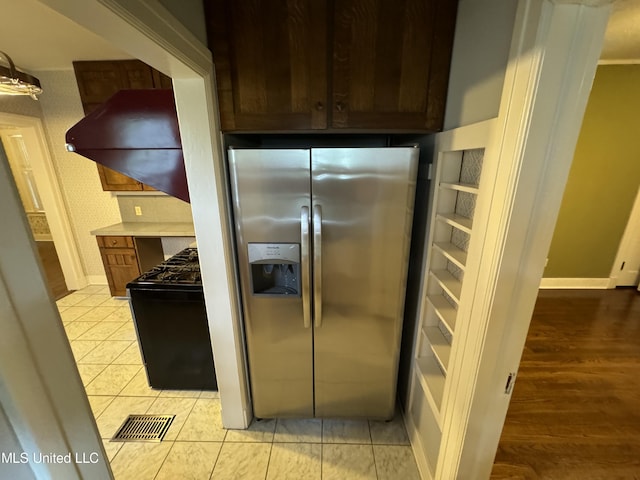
(323, 244)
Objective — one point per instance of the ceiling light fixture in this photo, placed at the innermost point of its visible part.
(15, 82)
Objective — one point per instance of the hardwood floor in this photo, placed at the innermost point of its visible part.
(575, 410)
(52, 269)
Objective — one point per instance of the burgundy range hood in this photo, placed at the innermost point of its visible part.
(136, 133)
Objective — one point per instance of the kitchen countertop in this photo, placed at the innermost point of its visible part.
(148, 229)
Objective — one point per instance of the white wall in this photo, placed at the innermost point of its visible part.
(479, 60)
(41, 391)
(9, 444)
(191, 15)
(88, 206)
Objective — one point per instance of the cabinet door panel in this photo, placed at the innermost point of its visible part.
(160, 80)
(136, 74)
(383, 63)
(113, 241)
(99, 80)
(116, 181)
(270, 59)
(121, 266)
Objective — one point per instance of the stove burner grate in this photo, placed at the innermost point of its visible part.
(181, 268)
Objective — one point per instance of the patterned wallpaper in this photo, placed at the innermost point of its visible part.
(471, 167)
(39, 226)
(88, 206)
(460, 239)
(158, 208)
(172, 245)
(155, 208)
(19, 105)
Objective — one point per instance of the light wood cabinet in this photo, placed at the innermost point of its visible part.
(115, 181)
(126, 258)
(99, 80)
(318, 65)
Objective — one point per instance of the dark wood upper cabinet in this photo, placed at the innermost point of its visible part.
(99, 80)
(357, 65)
(271, 63)
(391, 63)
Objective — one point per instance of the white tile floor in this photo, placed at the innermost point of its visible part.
(103, 340)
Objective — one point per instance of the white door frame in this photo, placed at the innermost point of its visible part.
(41, 391)
(147, 31)
(628, 251)
(49, 190)
(552, 63)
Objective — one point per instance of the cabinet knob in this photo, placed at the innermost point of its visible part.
(341, 107)
(113, 242)
(319, 106)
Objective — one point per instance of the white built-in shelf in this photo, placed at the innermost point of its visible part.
(439, 345)
(436, 369)
(453, 253)
(445, 311)
(449, 283)
(432, 381)
(458, 221)
(460, 187)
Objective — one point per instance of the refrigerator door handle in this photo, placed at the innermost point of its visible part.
(317, 265)
(304, 248)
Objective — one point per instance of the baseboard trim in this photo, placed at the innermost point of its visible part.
(576, 283)
(416, 446)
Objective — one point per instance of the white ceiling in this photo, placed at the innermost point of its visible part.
(622, 39)
(38, 38)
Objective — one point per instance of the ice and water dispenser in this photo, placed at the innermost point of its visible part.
(275, 268)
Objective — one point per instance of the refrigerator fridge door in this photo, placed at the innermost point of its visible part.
(271, 197)
(362, 215)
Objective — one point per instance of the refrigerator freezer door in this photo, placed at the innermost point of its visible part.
(366, 198)
(270, 189)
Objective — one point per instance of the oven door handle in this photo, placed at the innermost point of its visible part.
(304, 265)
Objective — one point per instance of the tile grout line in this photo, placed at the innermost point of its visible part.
(321, 447)
(132, 379)
(266, 472)
(164, 459)
(186, 417)
(103, 410)
(321, 459)
(216, 460)
(373, 453)
(97, 375)
(114, 457)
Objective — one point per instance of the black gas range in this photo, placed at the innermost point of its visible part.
(171, 323)
(182, 269)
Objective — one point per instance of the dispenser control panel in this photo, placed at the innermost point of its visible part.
(274, 253)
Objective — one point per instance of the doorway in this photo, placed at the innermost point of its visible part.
(626, 267)
(42, 174)
(14, 149)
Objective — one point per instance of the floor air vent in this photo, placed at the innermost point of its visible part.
(143, 428)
